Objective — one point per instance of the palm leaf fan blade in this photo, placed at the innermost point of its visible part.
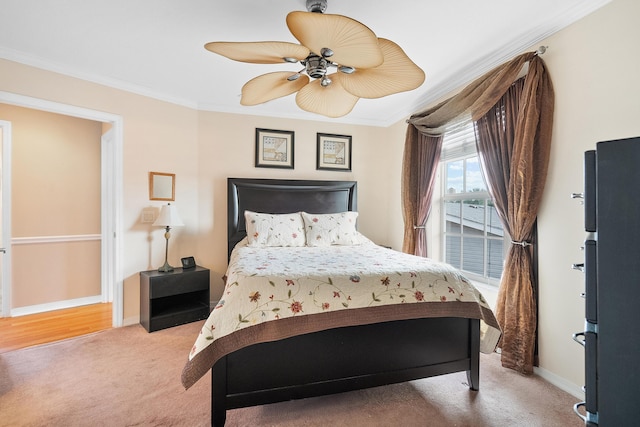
(397, 74)
(352, 42)
(271, 86)
(259, 52)
(331, 101)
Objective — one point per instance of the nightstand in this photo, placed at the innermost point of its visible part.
(175, 298)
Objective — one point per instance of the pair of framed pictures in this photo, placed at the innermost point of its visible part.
(275, 149)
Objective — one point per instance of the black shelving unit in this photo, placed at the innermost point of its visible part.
(612, 273)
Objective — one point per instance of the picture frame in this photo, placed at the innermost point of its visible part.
(162, 186)
(274, 148)
(334, 152)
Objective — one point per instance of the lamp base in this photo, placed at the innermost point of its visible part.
(166, 268)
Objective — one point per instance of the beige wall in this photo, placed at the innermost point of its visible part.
(595, 75)
(55, 173)
(227, 145)
(597, 91)
(158, 136)
(55, 192)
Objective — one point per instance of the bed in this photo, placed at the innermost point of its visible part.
(326, 330)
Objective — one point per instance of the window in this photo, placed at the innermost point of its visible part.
(473, 236)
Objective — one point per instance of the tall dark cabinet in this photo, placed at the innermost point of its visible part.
(612, 285)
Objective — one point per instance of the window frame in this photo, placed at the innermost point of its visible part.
(462, 149)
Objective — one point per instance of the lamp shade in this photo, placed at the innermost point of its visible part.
(168, 217)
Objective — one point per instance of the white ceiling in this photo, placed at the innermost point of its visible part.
(155, 47)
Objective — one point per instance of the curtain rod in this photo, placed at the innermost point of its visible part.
(541, 50)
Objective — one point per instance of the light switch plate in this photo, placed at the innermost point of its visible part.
(148, 215)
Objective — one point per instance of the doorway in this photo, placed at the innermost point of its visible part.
(111, 196)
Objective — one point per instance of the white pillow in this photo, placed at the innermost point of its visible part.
(331, 229)
(274, 230)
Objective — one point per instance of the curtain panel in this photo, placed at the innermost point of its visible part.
(421, 154)
(525, 175)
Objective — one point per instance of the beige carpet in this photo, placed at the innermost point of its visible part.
(128, 377)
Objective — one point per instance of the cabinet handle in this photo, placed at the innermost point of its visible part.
(576, 338)
(590, 417)
(578, 196)
(576, 409)
(579, 266)
(583, 294)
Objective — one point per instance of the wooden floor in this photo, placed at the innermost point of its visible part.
(26, 331)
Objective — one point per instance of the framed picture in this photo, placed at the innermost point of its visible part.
(334, 152)
(274, 148)
(162, 186)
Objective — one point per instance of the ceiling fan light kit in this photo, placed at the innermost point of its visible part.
(362, 65)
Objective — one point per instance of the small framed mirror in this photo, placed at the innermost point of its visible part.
(162, 186)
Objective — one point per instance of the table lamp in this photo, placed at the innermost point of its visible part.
(168, 218)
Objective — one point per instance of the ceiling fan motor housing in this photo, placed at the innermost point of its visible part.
(317, 5)
(316, 66)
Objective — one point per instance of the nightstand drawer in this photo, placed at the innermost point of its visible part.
(178, 282)
(179, 285)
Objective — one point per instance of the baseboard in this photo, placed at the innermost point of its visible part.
(560, 382)
(57, 305)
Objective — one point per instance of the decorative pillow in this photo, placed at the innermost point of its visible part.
(274, 230)
(331, 229)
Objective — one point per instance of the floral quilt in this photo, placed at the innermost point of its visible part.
(277, 292)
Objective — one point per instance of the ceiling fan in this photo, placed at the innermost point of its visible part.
(362, 65)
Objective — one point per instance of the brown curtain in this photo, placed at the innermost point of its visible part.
(528, 161)
(495, 134)
(514, 141)
(421, 154)
(475, 100)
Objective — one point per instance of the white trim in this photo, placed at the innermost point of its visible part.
(5, 288)
(113, 161)
(437, 89)
(57, 305)
(38, 62)
(111, 210)
(55, 239)
(561, 383)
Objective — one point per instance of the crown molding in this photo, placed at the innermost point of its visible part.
(432, 92)
(47, 65)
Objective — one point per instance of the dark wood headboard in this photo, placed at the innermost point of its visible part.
(277, 196)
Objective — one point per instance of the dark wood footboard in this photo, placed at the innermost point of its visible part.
(344, 359)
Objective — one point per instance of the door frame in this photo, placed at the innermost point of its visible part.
(5, 127)
(111, 197)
